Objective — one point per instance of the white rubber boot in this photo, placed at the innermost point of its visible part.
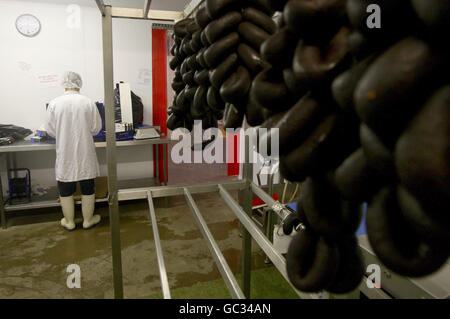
(87, 207)
(68, 209)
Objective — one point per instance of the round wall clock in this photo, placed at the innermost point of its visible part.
(28, 25)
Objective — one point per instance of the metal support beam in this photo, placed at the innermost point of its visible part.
(192, 7)
(159, 251)
(131, 13)
(157, 177)
(372, 293)
(277, 259)
(114, 219)
(9, 165)
(165, 164)
(101, 6)
(221, 263)
(2, 204)
(246, 202)
(270, 217)
(147, 8)
(169, 191)
(276, 206)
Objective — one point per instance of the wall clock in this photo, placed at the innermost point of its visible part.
(28, 25)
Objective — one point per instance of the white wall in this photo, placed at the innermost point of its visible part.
(59, 48)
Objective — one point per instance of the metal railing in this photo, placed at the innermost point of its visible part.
(159, 251)
(221, 263)
(246, 221)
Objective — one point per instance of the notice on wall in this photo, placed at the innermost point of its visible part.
(144, 77)
(48, 80)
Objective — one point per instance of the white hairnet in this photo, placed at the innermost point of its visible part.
(72, 80)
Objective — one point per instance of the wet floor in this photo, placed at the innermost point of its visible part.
(34, 257)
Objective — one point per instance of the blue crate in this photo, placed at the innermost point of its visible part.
(362, 230)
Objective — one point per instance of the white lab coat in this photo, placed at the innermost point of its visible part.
(73, 120)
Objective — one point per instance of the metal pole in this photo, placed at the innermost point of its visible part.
(200, 2)
(157, 178)
(14, 163)
(159, 251)
(277, 259)
(245, 200)
(101, 6)
(2, 204)
(166, 199)
(165, 164)
(147, 8)
(114, 218)
(274, 205)
(8, 166)
(269, 218)
(221, 263)
(170, 191)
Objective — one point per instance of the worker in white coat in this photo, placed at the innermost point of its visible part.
(73, 119)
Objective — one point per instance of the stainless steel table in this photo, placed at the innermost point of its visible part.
(26, 146)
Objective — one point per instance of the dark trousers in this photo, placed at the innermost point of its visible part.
(68, 189)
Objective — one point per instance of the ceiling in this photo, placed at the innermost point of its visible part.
(171, 5)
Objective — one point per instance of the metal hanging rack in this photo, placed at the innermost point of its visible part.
(243, 209)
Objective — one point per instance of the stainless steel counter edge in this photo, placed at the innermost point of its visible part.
(25, 146)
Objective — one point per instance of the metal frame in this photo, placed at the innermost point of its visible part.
(246, 188)
(23, 146)
(275, 257)
(147, 8)
(131, 13)
(192, 7)
(108, 13)
(2, 207)
(108, 67)
(159, 251)
(101, 6)
(245, 198)
(221, 263)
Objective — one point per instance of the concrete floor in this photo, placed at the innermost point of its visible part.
(34, 257)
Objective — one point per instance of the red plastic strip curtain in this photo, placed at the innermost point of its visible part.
(159, 59)
(233, 154)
